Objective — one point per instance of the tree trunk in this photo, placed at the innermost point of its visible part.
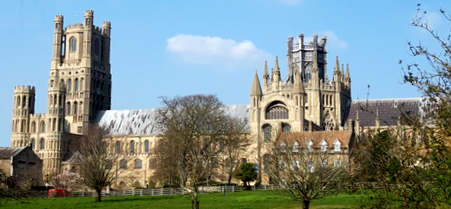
(305, 204)
(194, 201)
(98, 191)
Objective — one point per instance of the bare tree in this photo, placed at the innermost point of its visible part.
(302, 168)
(193, 126)
(96, 166)
(235, 145)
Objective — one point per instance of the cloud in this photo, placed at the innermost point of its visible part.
(332, 40)
(432, 19)
(216, 51)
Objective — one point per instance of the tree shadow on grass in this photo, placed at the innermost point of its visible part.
(139, 198)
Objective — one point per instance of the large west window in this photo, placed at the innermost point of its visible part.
(277, 110)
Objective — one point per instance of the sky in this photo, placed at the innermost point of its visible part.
(179, 47)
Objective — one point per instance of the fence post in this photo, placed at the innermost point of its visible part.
(233, 188)
(151, 192)
(161, 192)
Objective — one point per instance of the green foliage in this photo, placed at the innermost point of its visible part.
(245, 199)
(246, 173)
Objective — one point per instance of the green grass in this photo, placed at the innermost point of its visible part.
(245, 199)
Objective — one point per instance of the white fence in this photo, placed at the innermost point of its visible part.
(156, 192)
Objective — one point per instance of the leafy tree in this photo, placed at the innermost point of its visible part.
(246, 173)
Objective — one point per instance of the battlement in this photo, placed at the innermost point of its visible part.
(22, 88)
(106, 24)
(96, 28)
(89, 12)
(59, 18)
(75, 26)
(38, 116)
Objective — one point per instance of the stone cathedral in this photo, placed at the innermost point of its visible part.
(79, 92)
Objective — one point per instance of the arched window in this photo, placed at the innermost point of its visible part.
(60, 124)
(152, 163)
(267, 133)
(42, 126)
(123, 164)
(69, 85)
(68, 109)
(146, 147)
(54, 124)
(118, 147)
(81, 84)
(132, 147)
(42, 144)
(286, 128)
(75, 108)
(76, 84)
(24, 101)
(33, 127)
(138, 164)
(277, 110)
(32, 144)
(18, 101)
(72, 44)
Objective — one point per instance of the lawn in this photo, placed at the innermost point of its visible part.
(245, 199)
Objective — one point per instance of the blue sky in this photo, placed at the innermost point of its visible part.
(180, 47)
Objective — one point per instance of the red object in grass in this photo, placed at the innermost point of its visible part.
(58, 193)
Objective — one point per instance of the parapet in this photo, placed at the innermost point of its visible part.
(23, 88)
(89, 12)
(59, 18)
(106, 24)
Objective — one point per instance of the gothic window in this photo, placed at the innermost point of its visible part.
(54, 124)
(277, 110)
(69, 85)
(72, 44)
(81, 84)
(32, 144)
(33, 127)
(97, 47)
(123, 164)
(267, 133)
(42, 126)
(296, 147)
(24, 101)
(76, 85)
(75, 108)
(286, 128)
(68, 108)
(132, 147)
(118, 147)
(42, 144)
(63, 46)
(60, 100)
(138, 164)
(60, 124)
(152, 163)
(146, 147)
(18, 101)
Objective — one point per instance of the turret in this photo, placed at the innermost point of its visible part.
(348, 77)
(298, 95)
(87, 37)
(23, 106)
(256, 89)
(58, 41)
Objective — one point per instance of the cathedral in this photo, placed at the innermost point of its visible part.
(79, 92)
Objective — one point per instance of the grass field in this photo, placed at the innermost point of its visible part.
(245, 199)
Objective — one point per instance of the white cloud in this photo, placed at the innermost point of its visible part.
(332, 40)
(432, 19)
(216, 51)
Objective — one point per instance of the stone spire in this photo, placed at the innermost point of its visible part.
(347, 71)
(337, 66)
(342, 70)
(298, 87)
(265, 73)
(256, 88)
(276, 66)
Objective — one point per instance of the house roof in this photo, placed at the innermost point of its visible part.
(8, 152)
(143, 121)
